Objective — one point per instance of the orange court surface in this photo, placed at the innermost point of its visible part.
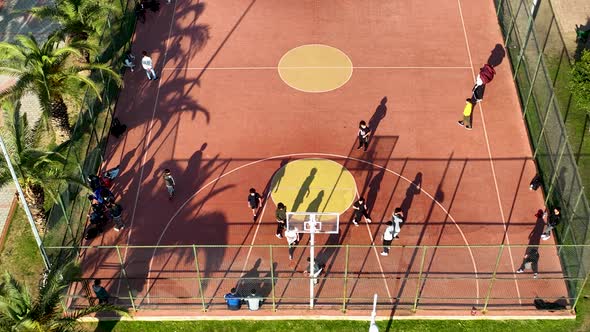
(247, 86)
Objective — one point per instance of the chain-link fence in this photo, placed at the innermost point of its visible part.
(541, 66)
(191, 277)
(89, 136)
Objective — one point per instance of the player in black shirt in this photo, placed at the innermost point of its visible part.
(360, 210)
(364, 131)
(254, 202)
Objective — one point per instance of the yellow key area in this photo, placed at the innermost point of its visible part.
(315, 68)
(314, 185)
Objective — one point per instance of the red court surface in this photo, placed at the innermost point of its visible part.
(222, 120)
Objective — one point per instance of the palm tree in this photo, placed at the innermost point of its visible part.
(21, 311)
(46, 71)
(34, 167)
(79, 19)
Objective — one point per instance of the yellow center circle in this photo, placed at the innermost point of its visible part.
(315, 68)
(314, 185)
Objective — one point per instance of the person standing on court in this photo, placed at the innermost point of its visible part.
(254, 202)
(387, 238)
(364, 131)
(360, 210)
(398, 219)
(466, 122)
(553, 219)
(281, 215)
(169, 181)
(530, 261)
(148, 65)
(292, 237)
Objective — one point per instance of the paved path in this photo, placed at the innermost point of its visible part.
(11, 24)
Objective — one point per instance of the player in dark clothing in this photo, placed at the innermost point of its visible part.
(281, 215)
(360, 210)
(363, 134)
(254, 202)
(553, 220)
(530, 260)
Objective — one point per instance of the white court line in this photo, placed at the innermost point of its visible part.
(335, 156)
(376, 253)
(325, 67)
(147, 143)
(483, 122)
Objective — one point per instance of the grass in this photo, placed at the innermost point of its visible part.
(581, 324)
(20, 255)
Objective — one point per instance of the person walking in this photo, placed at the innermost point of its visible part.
(148, 65)
(315, 270)
(254, 202)
(170, 183)
(233, 300)
(467, 111)
(281, 215)
(101, 294)
(363, 134)
(398, 219)
(387, 238)
(292, 237)
(553, 220)
(360, 210)
(530, 261)
(254, 301)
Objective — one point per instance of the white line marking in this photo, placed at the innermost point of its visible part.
(335, 67)
(483, 123)
(147, 142)
(377, 255)
(335, 156)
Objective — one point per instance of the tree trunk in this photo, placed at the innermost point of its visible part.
(60, 120)
(35, 197)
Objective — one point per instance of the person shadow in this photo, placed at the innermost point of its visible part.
(304, 190)
(537, 231)
(314, 205)
(249, 280)
(496, 55)
(374, 187)
(413, 190)
(278, 176)
(379, 114)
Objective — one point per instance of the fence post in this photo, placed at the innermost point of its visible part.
(415, 306)
(272, 279)
(199, 278)
(124, 274)
(345, 286)
(487, 301)
(580, 291)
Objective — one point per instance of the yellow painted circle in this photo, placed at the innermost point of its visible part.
(315, 68)
(314, 185)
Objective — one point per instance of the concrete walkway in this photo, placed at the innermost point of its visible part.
(569, 14)
(13, 23)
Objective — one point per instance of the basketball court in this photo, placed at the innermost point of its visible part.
(268, 95)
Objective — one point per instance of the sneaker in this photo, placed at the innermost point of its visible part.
(290, 257)
(545, 237)
(279, 236)
(460, 123)
(368, 221)
(519, 271)
(254, 218)
(116, 229)
(359, 147)
(535, 275)
(355, 223)
(384, 254)
(468, 127)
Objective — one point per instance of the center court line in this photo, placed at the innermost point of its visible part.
(163, 232)
(147, 143)
(483, 122)
(313, 67)
(376, 254)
